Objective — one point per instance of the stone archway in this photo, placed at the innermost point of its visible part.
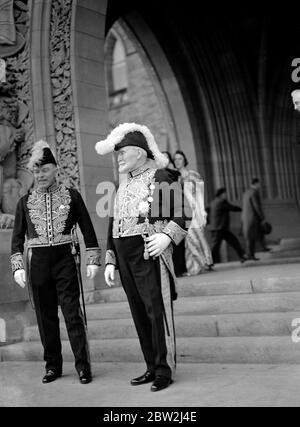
(176, 116)
(61, 76)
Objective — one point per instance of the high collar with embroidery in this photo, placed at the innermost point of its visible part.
(50, 189)
(138, 171)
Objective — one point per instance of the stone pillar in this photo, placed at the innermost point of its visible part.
(69, 97)
(90, 112)
(64, 95)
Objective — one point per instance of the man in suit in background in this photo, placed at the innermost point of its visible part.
(219, 221)
(252, 217)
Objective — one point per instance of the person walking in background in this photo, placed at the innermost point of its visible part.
(219, 223)
(252, 218)
(197, 251)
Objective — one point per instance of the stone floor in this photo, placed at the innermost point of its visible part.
(196, 385)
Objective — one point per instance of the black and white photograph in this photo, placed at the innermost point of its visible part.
(149, 207)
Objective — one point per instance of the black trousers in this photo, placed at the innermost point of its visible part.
(252, 235)
(250, 246)
(141, 281)
(217, 236)
(54, 282)
(179, 259)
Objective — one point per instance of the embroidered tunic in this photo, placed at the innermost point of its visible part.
(46, 218)
(148, 202)
(164, 197)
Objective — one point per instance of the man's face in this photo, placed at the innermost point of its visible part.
(44, 175)
(128, 159)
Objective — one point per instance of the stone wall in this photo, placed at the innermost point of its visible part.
(143, 102)
(64, 89)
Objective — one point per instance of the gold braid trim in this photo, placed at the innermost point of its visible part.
(175, 232)
(93, 256)
(17, 262)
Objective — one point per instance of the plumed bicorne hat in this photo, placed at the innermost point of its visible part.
(41, 155)
(132, 134)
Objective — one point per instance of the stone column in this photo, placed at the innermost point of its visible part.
(69, 97)
(90, 112)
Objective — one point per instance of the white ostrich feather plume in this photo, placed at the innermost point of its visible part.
(37, 152)
(118, 133)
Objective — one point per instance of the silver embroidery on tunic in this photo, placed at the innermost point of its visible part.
(49, 213)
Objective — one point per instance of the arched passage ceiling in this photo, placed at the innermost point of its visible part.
(235, 76)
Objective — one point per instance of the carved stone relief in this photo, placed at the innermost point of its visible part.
(66, 144)
(16, 126)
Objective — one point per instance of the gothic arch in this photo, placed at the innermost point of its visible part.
(175, 112)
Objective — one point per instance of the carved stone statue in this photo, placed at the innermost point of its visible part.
(14, 181)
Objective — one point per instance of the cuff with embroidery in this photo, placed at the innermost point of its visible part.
(175, 232)
(17, 262)
(93, 256)
(110, 257)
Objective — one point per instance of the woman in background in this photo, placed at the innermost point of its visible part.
(197, 251)
(178, 250)
(171, 166)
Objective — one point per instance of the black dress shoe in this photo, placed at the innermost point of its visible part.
(50, 376)
(253, 258)
(243, 259)
(147, 377)
(85, 377)
(160, 383)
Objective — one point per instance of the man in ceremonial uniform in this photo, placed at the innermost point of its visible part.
(148, 219)
(46, 216)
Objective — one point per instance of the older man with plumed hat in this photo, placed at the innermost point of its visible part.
(148, 219)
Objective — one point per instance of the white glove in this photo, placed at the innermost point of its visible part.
(157, 243)
(91, 271)
(20, 277)
(109, 274)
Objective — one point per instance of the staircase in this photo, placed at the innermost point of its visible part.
(288, 247)
(233, 315)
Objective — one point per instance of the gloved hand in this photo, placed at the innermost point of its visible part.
(20, 277)
(6, 220)
(157, 243)
(91, 271)
(109, 274)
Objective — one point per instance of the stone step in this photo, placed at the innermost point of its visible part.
(219, 304)
(292, 242)
(189, 287)
(286, 252)
(197, 350)
(228, 325)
